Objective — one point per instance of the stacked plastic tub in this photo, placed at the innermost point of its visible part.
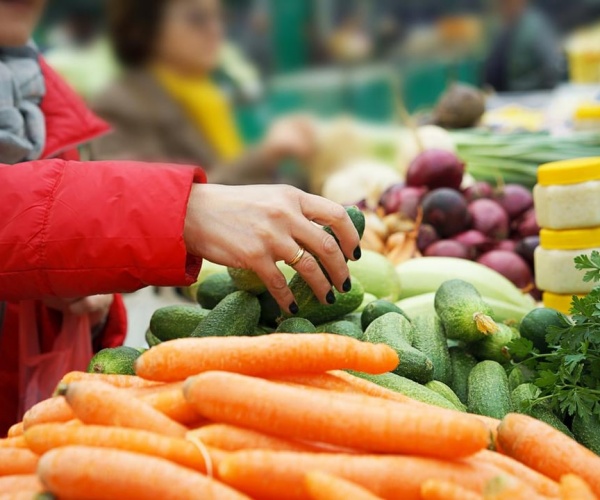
(567, 203)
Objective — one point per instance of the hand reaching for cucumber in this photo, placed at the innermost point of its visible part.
(252, 227)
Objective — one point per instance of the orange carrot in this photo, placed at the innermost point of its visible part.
(17, 461)
(443, 490)
(22, 495)
(539, 482)
(232, 438)
(84, 473)
(50, 410)
(14, 442)
(275, 475)
(347, 420)
(572, 487)
(509, 488)
(323, 486)
(43, 438)
(547, 450)
(268, 355)
(102, 404)
(172, 404)
(19, 482)
(15, 430)
(121, 381)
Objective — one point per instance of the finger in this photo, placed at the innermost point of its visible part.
(80, 307)
(309, 269)
(277, 285)
(328, 213)
(323, 246)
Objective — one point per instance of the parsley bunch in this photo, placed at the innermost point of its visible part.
(569, 375)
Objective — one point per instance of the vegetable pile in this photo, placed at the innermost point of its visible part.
(431, 216)
(274, 417)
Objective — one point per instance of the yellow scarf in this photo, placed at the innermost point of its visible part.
(208, 108)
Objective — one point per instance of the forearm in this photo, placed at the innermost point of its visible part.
(73, 229)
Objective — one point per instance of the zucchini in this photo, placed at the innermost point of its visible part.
(396, 331)
(463, 312)
(236, 315)
(462, 364)
(522, 397)
(445, 391)
(495, 346)
(296, 325)
(430, 339)
(489, 393)
(376, 309)
(409, 388)
(587, 432)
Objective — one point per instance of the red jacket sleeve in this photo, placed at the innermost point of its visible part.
(72, 229)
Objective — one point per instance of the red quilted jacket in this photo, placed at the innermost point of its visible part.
(72, 229)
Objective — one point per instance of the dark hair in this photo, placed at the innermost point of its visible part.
(134, 27)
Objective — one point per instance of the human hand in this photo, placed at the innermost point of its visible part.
(252, 227)
(292, 137)
(96, 306)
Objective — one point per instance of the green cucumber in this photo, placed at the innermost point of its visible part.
(358, 220)
(587, 432)
(246, 280)
(522, 397)
(353, 318)
(489, 393)
(311, 309)
(114, 360)
(151, 339)
(445, 391)
(376, 309)
(430, 339)
(535, 325)
(296, 325)
(214, 289)
(236, 315)
(409, 388)
(341, 327)
(396, 331)
(463, 312)
(462, 364)
(175, 322)
(269, 310)
(495, 346)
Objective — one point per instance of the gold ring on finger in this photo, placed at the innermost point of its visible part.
(297, 258)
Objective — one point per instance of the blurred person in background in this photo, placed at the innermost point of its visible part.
(166, 105)
(525, 55)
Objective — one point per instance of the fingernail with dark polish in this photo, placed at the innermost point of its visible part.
(294, 308)
(330, 297)
(357, 253)
(347, 286)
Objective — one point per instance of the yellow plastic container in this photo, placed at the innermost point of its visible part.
(561, 303)
(584, 67)
(587, 117)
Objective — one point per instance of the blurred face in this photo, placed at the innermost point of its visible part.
(17, 20)
(191, 35)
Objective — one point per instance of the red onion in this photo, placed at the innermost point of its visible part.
(508, 245)
(515, 199)
(427, 236)
(489, 218)
(509, 265)
(436, 168)
(403, 200)
(473, 240)
(527, 225)
(526, 248)
(446, 210)
(448, 248)
(479, 190)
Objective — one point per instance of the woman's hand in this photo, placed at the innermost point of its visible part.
(292, 137)
(96, 306)
(252, 227)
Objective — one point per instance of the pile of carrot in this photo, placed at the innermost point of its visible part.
(275, 417)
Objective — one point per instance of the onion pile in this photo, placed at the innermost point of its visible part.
(495, 226)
